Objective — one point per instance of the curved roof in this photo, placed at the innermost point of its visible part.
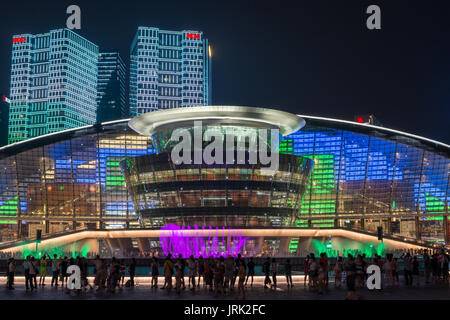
(149, 123)
(375, 131)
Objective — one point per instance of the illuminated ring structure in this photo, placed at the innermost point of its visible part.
(152, 122)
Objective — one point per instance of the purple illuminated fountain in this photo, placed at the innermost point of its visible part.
(203, 242)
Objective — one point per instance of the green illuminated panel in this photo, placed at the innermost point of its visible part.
(434, 218)
(114, 175)
(114, 183)
(358, 248)
(434, 204)
(9, 209)
(321, 187)
(299, 223)
(286, 146)
(293, 245)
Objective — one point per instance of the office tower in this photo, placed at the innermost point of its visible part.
(111, 98)
(53, 83)
(169, 69)
(4, 109)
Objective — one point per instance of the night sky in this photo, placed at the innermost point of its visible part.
(307, 57)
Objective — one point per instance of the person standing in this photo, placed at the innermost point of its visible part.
(236, 265)
(219, 273)
(97, 271)
(168, 272)
(444, 267)
(338, 267)
(313, 271)
(427, 266)
(306, 271)
(395, 271)
(183, 267)
(33, 271)
(43, 271)
(103, 275)
(351, 278)
(388, 270)
(209, 267)
(274, 273)
(132, 271)
(26, 271)
(155, 272)
(266, 270)
(415, 271)
(11, 272)
(178, 275)
(435, 268)
(55, 270)
(241, 276)
(201, 271)
(122, 269)
(323, 263)
(229, 270)
(360, 271)
(251, 271)
(114, 275)
(192, 272)
(407, 266)
(63, 266)
(288, 272)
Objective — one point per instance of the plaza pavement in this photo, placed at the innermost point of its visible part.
(142, 291)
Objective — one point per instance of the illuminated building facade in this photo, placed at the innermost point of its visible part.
(53, 83)
(169, 69)
(111, 91)
(227, 192)
(363, 177)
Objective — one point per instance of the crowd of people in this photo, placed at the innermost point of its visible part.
(223, 276)
(317, 270)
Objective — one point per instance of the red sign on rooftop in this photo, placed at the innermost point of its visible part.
(193, 36)
(19, 39)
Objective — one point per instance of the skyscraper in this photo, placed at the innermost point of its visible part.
(111, 98)
(53, 83)
(169, 69)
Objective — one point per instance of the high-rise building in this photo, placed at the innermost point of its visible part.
(4, 109)
(169, 69)
(53, 83)
(111, 90)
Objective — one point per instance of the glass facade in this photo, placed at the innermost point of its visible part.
(363, 177)
(235, 194)
(169, 69)
(53, 84)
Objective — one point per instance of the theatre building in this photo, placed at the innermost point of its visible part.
(116, 187)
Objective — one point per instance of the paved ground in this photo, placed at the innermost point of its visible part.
(142, 291)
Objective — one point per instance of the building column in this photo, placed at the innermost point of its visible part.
(144, 245)
(362, 223)
(418, 228)
(284, 245)
(19, 229)
(445, 226)
(389, 226)
(260, 244)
